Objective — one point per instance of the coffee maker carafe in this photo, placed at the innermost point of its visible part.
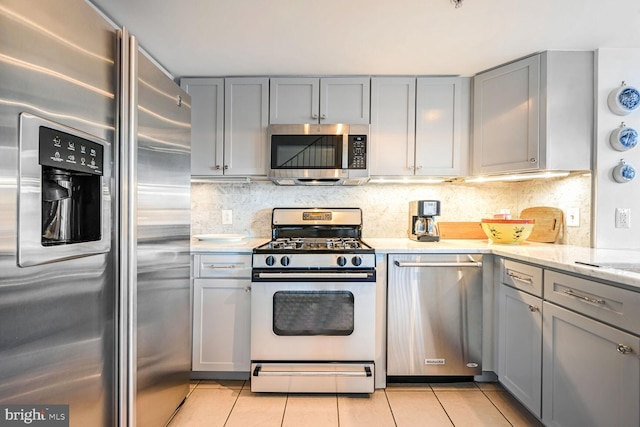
(422, 223)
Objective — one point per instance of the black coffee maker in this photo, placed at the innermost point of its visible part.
(422, 222)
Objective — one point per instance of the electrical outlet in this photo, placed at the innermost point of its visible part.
(623, 218)
(227, 216)
(573, 217)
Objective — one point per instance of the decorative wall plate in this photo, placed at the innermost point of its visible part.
(624, 100)
(624, 172)
(624, 138)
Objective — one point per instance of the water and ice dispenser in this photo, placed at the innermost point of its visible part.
(64, 203)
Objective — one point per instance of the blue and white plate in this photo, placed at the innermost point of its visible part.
(624, 138)
(624, 172)
(624, 100)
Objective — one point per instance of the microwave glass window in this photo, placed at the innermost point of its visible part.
(309, 313)
(306, 151)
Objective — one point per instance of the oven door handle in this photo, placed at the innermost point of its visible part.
(311, 275)
(438, 264)
(366, 372)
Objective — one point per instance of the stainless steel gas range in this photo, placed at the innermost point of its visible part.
(313, 304)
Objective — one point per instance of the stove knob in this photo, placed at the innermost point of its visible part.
(356, 260)
(285, 261)
(342, 261)
(270, 260)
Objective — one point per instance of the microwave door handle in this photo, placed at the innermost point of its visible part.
(345, 151)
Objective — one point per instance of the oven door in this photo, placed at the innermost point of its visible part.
(313, 321)
(312, 337)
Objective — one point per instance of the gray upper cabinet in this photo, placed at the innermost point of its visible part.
(228, 125)
(207, 125)
(534, 114)
(330, 100)
(246, 106)
(442, 126)
(419, 127)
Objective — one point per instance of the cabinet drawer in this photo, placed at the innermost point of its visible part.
(616, 306)
(222, 265)
(521, 276)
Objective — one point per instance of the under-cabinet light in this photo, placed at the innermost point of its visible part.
(518, 177)
(406, 180)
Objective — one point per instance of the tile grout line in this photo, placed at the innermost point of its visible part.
(234, 404)
(390, 408)
(495, 406)
(284, 410)
(441, 405)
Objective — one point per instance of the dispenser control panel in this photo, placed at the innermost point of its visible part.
(66, 151)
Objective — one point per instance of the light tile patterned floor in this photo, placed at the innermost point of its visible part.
(231, 404)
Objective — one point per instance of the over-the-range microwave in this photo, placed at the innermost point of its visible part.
(318, 154)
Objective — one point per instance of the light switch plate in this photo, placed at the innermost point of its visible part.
(227, 216)
(573, 217)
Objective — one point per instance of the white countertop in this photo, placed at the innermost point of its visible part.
(241, 246)
(562, 257)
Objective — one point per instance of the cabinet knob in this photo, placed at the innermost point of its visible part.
(624, 349)
(533, 308)
(314, 116)
(533, 160)
(419, 167)
(226, 167)
(323, 116)
(247, 288)
(217, 167)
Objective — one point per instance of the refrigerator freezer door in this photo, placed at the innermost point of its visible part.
(163, 165)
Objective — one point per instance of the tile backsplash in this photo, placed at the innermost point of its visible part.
(385, 207)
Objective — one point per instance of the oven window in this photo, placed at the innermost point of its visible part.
(306, 152)
(303, 313)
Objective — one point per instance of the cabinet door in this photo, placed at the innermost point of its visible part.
(586, 380)
(506, 118)
(294, 100)
(207, 126)
(344, 100)
(393, 122)
(221, 325)
(520, 346)
(442, 126)
(245, 126)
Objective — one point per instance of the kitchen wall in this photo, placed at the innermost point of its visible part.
(612, 67)
(385, 207)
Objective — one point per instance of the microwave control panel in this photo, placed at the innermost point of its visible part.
(357, 151)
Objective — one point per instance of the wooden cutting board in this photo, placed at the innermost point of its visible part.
(461, 230)
(548, 223)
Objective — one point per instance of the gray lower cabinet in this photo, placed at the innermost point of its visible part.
(591, 372)
(520, 346)
(221, 313)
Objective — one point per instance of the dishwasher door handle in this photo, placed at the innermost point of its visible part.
(477, 264)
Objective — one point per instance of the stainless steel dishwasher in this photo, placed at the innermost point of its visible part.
(434, 323)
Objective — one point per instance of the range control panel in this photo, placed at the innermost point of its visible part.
(357, 151)
(66, 151)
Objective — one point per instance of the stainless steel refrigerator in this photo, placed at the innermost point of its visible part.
(94, 219)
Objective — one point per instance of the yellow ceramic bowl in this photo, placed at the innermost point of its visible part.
(507, 230)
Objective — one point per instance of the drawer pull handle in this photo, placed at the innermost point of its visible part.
(584, 298)
(624, 349)
(517, 277)
(533, 308)
(221, 267)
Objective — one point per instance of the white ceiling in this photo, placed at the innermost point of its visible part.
(333, 37)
